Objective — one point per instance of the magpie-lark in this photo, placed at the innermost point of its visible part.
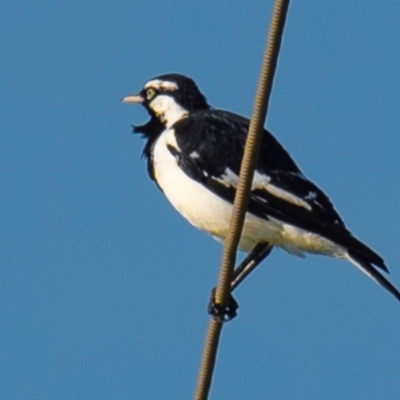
(194, 153)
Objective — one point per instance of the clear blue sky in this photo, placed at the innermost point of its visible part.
(104, 287)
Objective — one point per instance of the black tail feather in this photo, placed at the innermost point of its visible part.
(366, 267)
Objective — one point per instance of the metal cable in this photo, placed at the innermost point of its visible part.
(242, 193)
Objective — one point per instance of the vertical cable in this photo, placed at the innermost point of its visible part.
(242, 193)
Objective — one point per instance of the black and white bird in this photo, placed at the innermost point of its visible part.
(194, 154)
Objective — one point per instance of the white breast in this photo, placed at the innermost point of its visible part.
(198, 205)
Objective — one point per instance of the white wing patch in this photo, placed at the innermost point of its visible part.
(194, 155)
(287, 196)
(228, 179)
(311, 196)
(261, 181)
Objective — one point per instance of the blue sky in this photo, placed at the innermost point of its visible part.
(104, 287)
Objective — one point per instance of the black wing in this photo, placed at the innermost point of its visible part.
(219, 138)
(210, 149)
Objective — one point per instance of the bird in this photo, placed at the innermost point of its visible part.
(194, 153)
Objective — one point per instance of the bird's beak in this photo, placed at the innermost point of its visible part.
(133, 98)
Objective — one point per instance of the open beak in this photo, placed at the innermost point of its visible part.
(133, 98)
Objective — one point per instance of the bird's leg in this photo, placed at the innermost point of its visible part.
(250, 262)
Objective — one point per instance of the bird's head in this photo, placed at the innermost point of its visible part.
(168, 98)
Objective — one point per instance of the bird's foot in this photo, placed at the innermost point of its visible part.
(222, 313)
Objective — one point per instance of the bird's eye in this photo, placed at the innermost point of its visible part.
(150, 93)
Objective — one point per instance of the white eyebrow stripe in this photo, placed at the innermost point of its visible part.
(159, 84)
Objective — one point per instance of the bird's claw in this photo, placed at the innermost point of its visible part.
(222, 313)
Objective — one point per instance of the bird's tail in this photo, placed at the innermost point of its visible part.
(366, 266)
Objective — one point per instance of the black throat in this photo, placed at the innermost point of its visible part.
(151, 130)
